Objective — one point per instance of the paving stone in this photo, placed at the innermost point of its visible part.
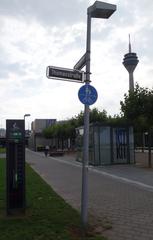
(127, 205)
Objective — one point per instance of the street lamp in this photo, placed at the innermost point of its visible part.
(97, 10)
(26, 115)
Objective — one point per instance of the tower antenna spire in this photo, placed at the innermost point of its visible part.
(129, 44)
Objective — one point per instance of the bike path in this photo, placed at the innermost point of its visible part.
(120, 195)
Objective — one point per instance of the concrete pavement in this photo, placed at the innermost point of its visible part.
(121, 195)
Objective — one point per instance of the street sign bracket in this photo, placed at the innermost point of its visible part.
(81, 63)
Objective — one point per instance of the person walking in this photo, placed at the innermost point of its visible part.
(46, 150)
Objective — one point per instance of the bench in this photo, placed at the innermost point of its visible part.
(56, 153)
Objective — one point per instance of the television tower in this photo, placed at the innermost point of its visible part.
(130, 62)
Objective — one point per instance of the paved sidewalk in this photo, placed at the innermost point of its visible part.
(2, 155)
(121, 195)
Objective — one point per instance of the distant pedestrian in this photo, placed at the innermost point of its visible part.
(46, 150)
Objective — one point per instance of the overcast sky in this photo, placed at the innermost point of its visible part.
(38, 33)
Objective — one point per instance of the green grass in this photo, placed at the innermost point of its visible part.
(47, 216)
(2, 150)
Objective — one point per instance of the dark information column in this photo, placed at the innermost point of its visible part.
(15, 171)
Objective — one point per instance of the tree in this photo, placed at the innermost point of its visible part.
(116, 120)
(97, 116)
(67, 130)
(137, 108)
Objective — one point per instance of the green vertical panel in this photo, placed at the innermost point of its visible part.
(15, 162)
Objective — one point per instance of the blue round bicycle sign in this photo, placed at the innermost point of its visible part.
(87, 94)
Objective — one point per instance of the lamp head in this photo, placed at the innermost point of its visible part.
(27, 115)
(101, 10)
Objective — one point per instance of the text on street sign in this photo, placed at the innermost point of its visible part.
(65, 74)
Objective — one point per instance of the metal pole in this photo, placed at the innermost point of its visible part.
(84, 200)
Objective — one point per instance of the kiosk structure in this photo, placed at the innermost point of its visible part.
(107, 144)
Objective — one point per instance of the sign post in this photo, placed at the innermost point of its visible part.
(15, 161)
(97, 10)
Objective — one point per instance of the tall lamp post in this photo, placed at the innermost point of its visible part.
(26, 115)
(97, 10)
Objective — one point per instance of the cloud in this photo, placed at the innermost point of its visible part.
(35, 34)
(47, 12)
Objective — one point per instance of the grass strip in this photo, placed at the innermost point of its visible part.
(48, 216)
(2, 150)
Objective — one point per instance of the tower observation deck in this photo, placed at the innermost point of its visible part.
(130, 62)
